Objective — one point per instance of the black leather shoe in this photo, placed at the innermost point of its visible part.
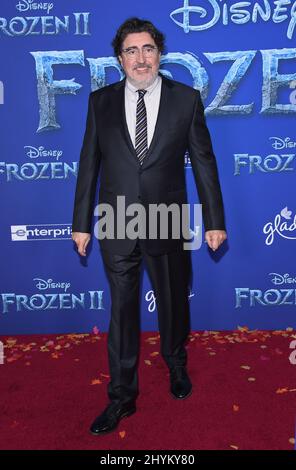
(109, 419)
(181, 386)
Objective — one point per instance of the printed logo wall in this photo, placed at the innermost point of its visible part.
(241, 56)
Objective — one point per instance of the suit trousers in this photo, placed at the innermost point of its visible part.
(170, 276)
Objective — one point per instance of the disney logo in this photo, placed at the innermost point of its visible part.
(25, 5)
(202, 12)
(279, 143)
(280, 226)
(282, 279)
(238, 13)
(49, 284)
(34, 152)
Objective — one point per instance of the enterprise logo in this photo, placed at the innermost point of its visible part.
(27, 233)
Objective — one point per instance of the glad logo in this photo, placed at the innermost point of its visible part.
(283, 225)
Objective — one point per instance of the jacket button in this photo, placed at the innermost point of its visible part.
(139, 197)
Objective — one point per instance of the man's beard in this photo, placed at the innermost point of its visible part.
(145, 83)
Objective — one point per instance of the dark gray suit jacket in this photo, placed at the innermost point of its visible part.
(108, 151)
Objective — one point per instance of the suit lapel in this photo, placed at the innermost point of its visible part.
(120, 105)
(161, 117)
(163, 111)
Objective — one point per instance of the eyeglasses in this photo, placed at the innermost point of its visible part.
(147, 51)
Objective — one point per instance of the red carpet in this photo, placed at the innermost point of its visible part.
(244, 397)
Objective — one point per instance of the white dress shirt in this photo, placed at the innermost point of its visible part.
(151, 99)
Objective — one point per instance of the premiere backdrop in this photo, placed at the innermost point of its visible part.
(242, 57)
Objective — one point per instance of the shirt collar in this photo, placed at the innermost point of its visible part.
(149, 90)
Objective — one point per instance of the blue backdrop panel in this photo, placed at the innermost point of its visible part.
(243, 60)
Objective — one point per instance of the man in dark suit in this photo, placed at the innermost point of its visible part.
(137, 133)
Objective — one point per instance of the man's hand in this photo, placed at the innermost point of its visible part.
(214, 238)
(82, 240)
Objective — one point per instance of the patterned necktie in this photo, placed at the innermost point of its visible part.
(141, 143)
